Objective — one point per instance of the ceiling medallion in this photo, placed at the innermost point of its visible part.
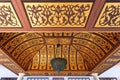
(58, 63)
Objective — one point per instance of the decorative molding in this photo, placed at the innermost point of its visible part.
(54, 73)
(58, 0)
(108, 62)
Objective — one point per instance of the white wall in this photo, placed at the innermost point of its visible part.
(4, 72)
(113, 72)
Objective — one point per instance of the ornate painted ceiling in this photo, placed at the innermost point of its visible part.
(83, 51)
(88, 31)
(61, 15)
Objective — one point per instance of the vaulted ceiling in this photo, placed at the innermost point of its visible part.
(88, 31)
(83, 51)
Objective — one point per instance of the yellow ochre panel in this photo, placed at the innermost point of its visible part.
(8, 17)
(54, 14)
(110, 15)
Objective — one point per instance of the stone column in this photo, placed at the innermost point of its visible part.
(95, 76)
(21, 75)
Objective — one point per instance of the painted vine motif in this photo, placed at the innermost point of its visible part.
(58, 15)
(111, 16)
(7, 17)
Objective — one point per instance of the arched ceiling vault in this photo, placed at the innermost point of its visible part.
(83, 51)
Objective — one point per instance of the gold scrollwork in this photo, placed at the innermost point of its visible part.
(8, 16)
(113, 60)
(110, 16)
(58, 14)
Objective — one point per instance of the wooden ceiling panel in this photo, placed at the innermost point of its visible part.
(63, 15)
(8, 16)
(110, 15)
(54, 14)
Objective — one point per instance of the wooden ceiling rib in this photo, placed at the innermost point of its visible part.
(21, 13)
(98, 5)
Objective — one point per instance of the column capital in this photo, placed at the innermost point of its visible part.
(94, 74)
(22, 74)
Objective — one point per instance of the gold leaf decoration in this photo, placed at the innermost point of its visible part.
(8, 17)
(110, 16)
(58, 14)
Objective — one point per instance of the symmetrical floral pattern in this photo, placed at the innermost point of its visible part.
(110, 17)
(7, 16)
(58, 15)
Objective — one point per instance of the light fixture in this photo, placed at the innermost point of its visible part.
(58, 63)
